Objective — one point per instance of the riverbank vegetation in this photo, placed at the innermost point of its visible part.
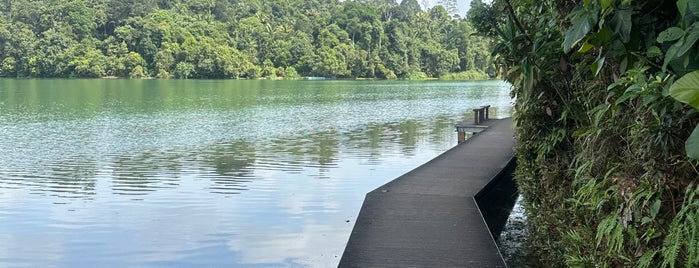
(235, 39)
(606, 96)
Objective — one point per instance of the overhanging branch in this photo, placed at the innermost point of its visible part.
(511, 11)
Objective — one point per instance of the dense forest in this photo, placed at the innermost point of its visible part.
(237, 39)
(607, 93)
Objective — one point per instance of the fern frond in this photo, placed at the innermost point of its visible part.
(647, 259)
(605, 227)
(616, 240)
(671, 246)
(684, 232)
(692, 228)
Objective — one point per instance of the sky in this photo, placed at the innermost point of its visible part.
(463, 5)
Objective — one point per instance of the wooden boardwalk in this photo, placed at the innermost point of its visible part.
(428, 217)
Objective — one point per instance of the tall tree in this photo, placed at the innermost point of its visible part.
(450, 5)
(230, 39)
(408, 8)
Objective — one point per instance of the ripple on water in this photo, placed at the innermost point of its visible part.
(208, 172)
(513, 236)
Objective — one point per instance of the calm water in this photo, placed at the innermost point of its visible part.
(124, 173)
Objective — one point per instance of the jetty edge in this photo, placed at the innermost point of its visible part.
(429, 217)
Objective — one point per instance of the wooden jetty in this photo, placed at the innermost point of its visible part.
(428, 217)
(481, 121)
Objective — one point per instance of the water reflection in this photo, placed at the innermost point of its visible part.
(143, 173)
(72, 178)
(230, 166)
(208, 173)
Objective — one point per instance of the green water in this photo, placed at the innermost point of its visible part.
(119, 173)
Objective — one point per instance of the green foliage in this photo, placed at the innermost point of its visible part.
(163, 74)
(582, 21)
(686, 89)
(683, 235)
(268, 69)
(235, 39)
(692, 144)
(291, 74)
(467, 75)
(7, 68)
(384, 72)
(184, 70)
(600, 87)
(483, 17)
(416, 76)
(138, 72)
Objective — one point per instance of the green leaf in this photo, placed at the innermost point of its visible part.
(682, 7)
(653, 52)
(600, 38)
(692, 144)
(647, 259)
(617, 49)
(671, 53)
(581, 25)
(686, 89)
(597, 39)
(650, 98)
(666, 91)
(655, 208)
(607, 3)
(596, 67)
(622, 24)
(624, 64)
(671, 34)
(689, 42)
(694, 7)
(630, 92)
(585, 47)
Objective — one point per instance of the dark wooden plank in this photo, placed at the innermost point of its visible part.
(428, 217)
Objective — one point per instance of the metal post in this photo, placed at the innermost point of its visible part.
(481, 114)
(476, 117)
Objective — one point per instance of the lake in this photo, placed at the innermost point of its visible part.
(192, 173)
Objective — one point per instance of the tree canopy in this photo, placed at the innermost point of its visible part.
(235, 39)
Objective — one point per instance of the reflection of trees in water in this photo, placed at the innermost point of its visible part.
(145, 172)
(232, 164)
(73, 178)
(325, 147)
(229, 167)
(404, 136)
(313, 149)
(371, 137)
(317, 150)
(408, 134)
(377, 137)
(441, 123)
(443, 131)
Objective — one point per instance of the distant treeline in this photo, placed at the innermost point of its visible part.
(236, 39)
